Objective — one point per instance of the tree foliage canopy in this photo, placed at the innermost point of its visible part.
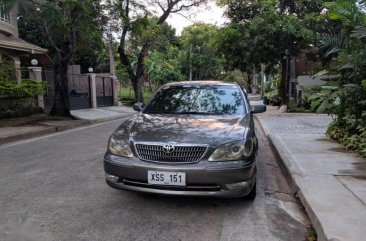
(64, 27)
(138, 22)
(200, 41)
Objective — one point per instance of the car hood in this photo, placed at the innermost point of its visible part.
(197, 129)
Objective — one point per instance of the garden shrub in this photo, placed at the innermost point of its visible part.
(237, 76)
(9, 88)
(18, 100)
(301, 107)
(326, 100)
(271, 91)
(349, 100)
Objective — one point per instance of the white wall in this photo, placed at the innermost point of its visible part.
(306, 82)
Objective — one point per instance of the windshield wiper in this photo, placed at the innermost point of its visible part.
(198, 113)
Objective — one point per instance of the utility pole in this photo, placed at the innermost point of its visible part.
(287, 86)
(254, 81)
(262, 80)
(112, 64)
(190, 62)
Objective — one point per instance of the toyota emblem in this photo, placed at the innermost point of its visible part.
(168, 148)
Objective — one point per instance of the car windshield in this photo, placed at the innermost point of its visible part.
(206, 100)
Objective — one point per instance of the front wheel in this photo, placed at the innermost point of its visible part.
(253, 193)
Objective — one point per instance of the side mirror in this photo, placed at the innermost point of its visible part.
(138, 106)
(256, 109)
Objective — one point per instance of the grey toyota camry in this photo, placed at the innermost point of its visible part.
(193, 138)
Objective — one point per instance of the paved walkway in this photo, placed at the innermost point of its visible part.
(331, 183)
(29, 128)
(102, 113)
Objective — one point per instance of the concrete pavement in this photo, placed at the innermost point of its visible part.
(330, 182)
(55, 184)
(103, 113)
(15, 133)
(25, 128)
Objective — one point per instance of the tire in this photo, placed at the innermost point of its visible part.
(253, 193)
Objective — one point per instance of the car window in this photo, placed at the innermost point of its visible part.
(210, 100)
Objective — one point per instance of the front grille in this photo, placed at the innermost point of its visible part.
(181, 154)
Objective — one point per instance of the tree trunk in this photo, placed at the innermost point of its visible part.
(61, 106)
(137, 85)
(254, 80)
(262, 80)
(283, 84)
(249, 81)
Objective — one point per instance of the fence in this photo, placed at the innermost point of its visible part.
(79, 91)
(104, 90)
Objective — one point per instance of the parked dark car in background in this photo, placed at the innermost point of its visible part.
(193, 138)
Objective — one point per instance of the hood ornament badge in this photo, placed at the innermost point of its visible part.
(167, 148)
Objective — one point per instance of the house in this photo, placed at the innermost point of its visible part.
(302, 75)
(20, 51)
(85, 90)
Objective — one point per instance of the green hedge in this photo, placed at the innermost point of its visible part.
(19, 100)
(27, 88)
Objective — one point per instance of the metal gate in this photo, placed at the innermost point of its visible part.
(104, 86)
(79, 91)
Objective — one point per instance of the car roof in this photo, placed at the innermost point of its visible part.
(202, 83)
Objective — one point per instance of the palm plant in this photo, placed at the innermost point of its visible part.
(349, 46)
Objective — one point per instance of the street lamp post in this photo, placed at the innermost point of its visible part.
(287, 83)
(190, 62)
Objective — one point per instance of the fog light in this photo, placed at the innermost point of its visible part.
(111, 178)
(239, 185)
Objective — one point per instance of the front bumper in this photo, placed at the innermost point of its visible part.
(219, 179)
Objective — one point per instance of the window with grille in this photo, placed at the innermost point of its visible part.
(4, 13)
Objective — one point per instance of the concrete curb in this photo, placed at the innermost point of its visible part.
(110, 118)
(281, 153)
(292, 174)
(38, 133)
(54, 129)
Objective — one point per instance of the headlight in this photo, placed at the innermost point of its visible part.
(233, 151)
(119, 147)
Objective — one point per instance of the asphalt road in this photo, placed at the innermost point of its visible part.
(53, 188)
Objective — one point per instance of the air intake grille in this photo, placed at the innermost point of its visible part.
(179, 154)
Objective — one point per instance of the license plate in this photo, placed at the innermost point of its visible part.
(166, 178)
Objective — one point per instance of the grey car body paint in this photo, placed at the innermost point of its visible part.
(211, 130)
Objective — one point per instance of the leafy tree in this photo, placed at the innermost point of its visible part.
(29, 28)
(238, 77)
(199, 41)
(164, 67)
(300, 7)
(265, 31)
(349, 47)
(65, 28)
(165, 38)
(137, 23)
(93, 54)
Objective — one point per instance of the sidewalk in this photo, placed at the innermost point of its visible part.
(330, 182)
(103, 113)
(25, 128)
